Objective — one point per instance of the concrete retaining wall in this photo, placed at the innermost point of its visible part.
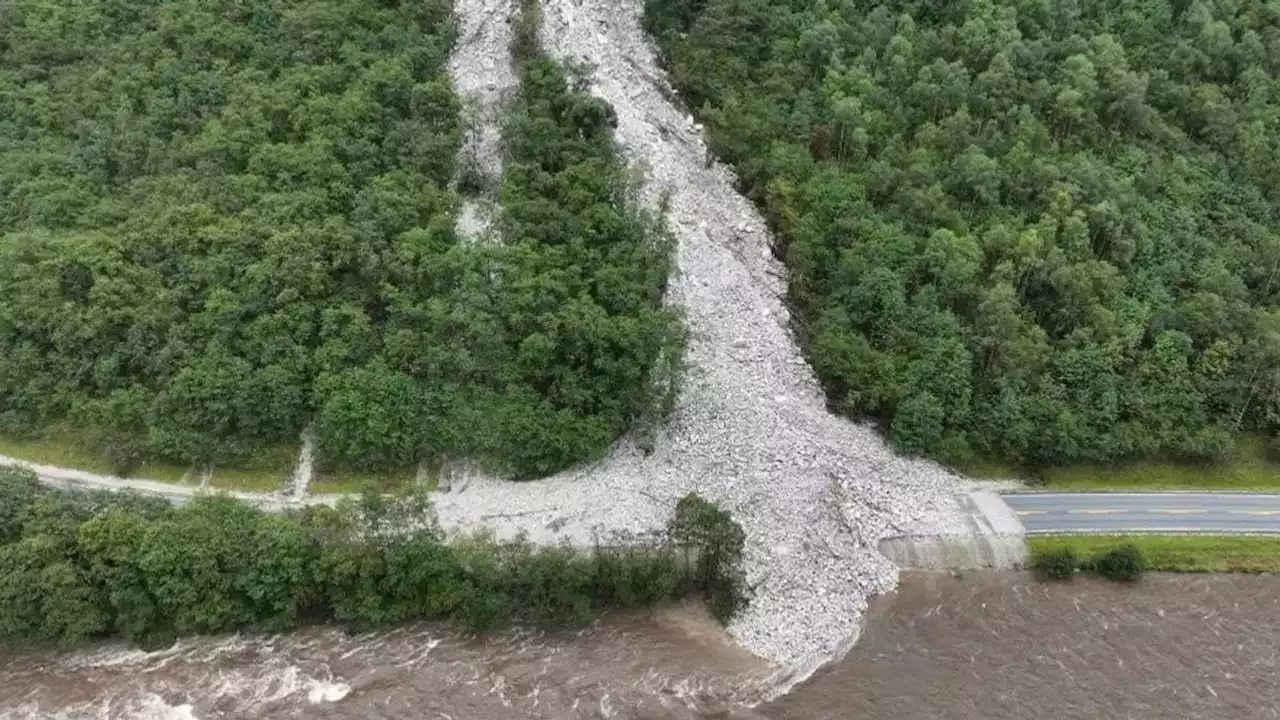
(994, 539)
(957, 552)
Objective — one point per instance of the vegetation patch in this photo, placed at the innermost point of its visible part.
(221, 223)
(1251, 468)
(584, 271)
(1172, 553)
(355, 481)
(61, 447)
(76, 566)
(1124, 562)
(1058, 563)
(1036, 233)
(266, 471)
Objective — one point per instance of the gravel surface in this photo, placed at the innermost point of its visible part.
(305, 469)
(484, 81)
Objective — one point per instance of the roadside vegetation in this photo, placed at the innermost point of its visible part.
(75, 566)
(1252, 467)
(1036, 233)
(1123, 562)
(1167, 553)
(220, 223)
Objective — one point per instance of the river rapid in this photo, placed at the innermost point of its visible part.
(981, 645)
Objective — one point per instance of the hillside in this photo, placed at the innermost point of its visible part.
(1033, 231)
(223, 222)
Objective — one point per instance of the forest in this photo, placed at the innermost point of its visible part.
(1043, 231)
(222, 221)
(75, 566)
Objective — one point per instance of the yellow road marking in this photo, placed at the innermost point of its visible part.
(1254, 512)
(1177, 511)
(1096, 512)
(1031, 512)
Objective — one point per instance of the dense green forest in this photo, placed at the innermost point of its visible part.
(221, 220)
(1040, 231)
(76, 566)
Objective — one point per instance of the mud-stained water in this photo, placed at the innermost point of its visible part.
(1001, 645)
(985, 645)
(673, 664)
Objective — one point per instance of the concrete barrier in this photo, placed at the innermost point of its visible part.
(993, 538)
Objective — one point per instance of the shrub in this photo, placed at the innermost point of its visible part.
(76, 565)
(1125, 563)
(707, 532)
(1273, 448)
(1057, 564)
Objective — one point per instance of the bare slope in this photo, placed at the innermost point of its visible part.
(484, 81)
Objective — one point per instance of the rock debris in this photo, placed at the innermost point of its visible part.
(485, 81)
(813, 491)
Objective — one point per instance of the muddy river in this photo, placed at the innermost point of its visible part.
(983, 645)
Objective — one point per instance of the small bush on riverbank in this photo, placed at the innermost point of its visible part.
(1056, 564)
(1125, 563)
(702, 527)
(80, 565)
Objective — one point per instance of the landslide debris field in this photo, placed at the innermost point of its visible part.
(392, 295)
(472, 243)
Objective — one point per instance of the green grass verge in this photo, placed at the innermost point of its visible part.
(63, 451)
(270, 471)
(1250, 469)
(988, 469)
(1177, 553)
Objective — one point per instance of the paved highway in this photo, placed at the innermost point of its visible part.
(1201, 512)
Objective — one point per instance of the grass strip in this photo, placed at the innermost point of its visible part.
(60, 451)
(1175, 553)
(1250, 468)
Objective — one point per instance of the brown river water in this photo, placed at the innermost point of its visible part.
(977, 646)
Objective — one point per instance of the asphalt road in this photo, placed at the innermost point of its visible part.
(1147, 512)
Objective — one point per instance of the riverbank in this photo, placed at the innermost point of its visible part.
(76, 567)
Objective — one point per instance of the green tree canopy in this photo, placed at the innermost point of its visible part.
(1039, 231)
(220, 222)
